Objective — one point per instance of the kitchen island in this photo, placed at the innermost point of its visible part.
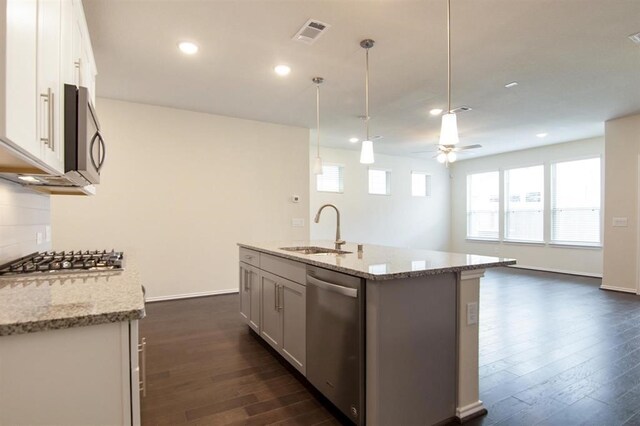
(69, 348)
(415, 313)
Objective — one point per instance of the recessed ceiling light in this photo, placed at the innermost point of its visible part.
(353, 140)
(542, 135)
(635, 38)
(188, 48)
(510, 85)
(436, 111)
(282, 70)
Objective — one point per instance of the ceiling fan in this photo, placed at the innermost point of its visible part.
(448, 153)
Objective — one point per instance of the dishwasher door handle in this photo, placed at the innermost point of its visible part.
(345, 291)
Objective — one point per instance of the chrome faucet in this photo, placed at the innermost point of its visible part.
(339, 242)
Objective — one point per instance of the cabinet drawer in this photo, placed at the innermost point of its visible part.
(250, 256)
(285, 268)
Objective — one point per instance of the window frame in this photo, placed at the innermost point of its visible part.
(505, 203)
(428, 180)
(498, 238)
(575, 244)
(341, 168)
(387, 180)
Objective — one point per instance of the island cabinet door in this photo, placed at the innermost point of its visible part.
(245, 293)
(271, 327)
(253, 278)
(294, 342)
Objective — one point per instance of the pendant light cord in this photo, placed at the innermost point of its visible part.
(366, 91)
(449, 56)
(318, 115)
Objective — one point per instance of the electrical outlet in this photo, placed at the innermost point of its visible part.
(39, 238)
(472, 313)
(297, 223)
(47, 234)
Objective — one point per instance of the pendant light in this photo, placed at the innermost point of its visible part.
(449, 129)
(317, 167)
(366, 152)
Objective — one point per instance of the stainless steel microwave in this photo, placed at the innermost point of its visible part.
(84, 147)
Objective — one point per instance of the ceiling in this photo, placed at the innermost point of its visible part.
(575, 66)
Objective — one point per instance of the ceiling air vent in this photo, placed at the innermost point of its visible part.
(635, 38)
(311, 31)
(460, 109)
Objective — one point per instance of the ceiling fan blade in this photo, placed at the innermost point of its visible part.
(462, 148)
(431, 149)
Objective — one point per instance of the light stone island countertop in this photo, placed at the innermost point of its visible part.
(48, 301)
(381, 262)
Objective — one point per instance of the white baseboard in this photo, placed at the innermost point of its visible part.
(190, 295)
(469, 410)
(614, 288)
(557, 271)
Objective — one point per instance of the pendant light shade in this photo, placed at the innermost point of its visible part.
(317, 167)
(366, 153)
(449, 130)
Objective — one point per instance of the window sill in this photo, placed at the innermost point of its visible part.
(481, 240)
(576, 246)
(524, 243)
(330, 192)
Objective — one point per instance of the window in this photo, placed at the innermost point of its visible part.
(524, 204)
(575, 202)
(420, 184)
(483, 200)
(331, 179)
(379, 182)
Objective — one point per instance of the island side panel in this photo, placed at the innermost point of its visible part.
(411, 350)
(468, 399)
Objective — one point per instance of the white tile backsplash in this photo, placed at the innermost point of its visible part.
(23, 214)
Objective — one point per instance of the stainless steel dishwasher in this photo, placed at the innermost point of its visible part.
(335, 339)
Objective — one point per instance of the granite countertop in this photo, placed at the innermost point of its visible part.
(381, 262)
(49, 301)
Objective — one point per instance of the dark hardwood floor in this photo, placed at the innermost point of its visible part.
(554, 350)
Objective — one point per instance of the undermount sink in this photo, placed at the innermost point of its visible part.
(314, 250)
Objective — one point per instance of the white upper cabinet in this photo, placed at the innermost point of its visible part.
(18, 108)
(50, 93)
(47, 45)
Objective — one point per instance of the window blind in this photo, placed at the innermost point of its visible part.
(331, 179)
(575, 202)
(483, 192)
(524, 204)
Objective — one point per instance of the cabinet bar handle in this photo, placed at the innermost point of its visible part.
(142, 350)
(48, 98)
(275, 298)
(281, 299)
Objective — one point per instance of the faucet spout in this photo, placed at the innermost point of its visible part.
(338, 242)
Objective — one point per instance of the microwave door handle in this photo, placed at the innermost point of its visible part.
(93, 160)
(103, 152)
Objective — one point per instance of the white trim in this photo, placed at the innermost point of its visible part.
(190, 295)
(557, 271)
(471, 274)
(621, 289)
(638, 232)
(469, 410)
(524, 243)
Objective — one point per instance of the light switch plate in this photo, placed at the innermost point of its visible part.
(620, 222)
(297, 223)
(472, 313)
(39, 236)
(47, 233)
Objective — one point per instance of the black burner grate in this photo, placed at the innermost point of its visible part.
(65, 261)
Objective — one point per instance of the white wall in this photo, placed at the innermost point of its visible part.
(621, 200)
(23, 214)
(396, 220)
(586, 261)
(179, 190)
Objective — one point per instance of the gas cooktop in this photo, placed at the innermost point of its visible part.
(65, 261)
